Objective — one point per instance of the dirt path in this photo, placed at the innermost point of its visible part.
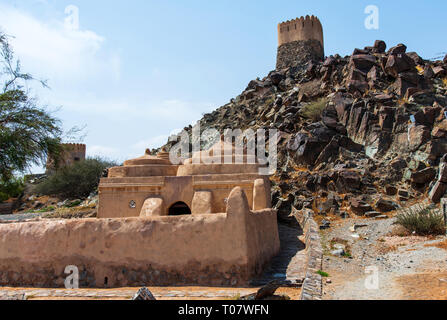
(406, 267)
(289, 266)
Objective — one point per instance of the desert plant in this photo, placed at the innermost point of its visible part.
(323, 274)
(314, 110)
(12, 188)
(422, 221)
(75, 181)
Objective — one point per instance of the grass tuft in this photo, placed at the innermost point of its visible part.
(323, 274)
(314, 110)
(422, 221)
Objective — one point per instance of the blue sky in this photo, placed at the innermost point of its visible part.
(134, 71)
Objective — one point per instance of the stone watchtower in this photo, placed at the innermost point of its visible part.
(72, 153)
(299, 41)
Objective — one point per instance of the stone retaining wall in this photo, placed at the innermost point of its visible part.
(312, 288)
(298, 53)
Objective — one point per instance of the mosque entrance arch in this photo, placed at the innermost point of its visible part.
(179, 209)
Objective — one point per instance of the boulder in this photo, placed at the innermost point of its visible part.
(445, 59)
(329, 61)
(403, 193)
(400, 48)
(424, 176)
(348, 180)
(276, 78)
(330, 151)
(439, 71)
(356, 74)
(357, 86)
(401, 87)
(428, 72)
(438, 191)
(360, 207)
(331, 205)
(144, 295)
(268, 290)
(383, 205)
(398, 164)
(372, 214)
(379, 46)
(439, 133)
(363, 62)
(308, 148)
(418, 135)
(390, 190)
(397, 64)
(416, 58)
(443, 172)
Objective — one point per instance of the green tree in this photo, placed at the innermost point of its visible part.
(28, 132)
(75, 181)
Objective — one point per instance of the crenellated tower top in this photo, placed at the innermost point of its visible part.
(300, 29)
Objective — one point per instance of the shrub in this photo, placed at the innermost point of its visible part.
(323, 274)
(423, 221)
(11, 189)
(75, 181)
(314, 110)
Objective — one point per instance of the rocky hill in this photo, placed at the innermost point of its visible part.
(360, 134)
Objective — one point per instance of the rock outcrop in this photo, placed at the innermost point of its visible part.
(366, 125)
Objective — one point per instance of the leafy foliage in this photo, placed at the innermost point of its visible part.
(423, 221)
(28, 133)
(323, 274)
(12, 188)
(75, 181)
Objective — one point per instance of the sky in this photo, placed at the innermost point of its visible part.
(133, 72)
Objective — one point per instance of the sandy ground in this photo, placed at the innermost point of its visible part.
(382, 266)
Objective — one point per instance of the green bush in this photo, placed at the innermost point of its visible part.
(323, 274)
(11, 189)
(75, 181)
(423, 221)
(314, 110)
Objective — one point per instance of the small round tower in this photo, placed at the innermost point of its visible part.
(299, 41)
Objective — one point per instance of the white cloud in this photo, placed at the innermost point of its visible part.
(51, 50)
(102, 151)
(151, 143)
(166, 111)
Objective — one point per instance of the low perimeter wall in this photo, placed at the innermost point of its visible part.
(220, 249)
(312, 288)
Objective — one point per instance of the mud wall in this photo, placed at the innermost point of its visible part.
(219, 249)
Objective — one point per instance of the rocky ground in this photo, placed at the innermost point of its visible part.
(408, 267)
(352, 130)
(34, 207)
